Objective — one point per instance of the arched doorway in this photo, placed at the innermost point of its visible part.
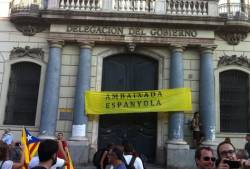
(234, 101)
(22, 94)
(130, 72)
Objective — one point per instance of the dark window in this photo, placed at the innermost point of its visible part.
(22, 94)
(234, 101)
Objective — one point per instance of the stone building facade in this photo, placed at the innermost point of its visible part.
(60, 49)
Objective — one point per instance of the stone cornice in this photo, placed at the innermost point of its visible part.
(155, 41)
(130, 18)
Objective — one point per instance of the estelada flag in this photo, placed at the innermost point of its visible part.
(69, 164)
(30, 144)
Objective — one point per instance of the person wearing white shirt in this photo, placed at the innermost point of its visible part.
(128, 154)
(35, 161)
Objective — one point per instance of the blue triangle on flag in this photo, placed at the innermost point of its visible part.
(30, 138)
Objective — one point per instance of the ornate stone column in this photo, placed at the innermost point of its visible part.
(207, 102)
(79, 143)
(51, 91)
(176, 146)
(176, 119)
(80, 120)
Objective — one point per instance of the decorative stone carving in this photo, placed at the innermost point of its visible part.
(234, 60)
(30, 30)
(35, 53)
(131, 47)
(233, 38)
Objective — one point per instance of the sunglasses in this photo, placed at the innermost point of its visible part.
(209, 158)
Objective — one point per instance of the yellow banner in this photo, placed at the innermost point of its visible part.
(138, 101)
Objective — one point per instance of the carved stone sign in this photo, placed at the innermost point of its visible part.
(134, 31)
(153, 32)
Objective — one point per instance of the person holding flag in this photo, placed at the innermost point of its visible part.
(63, 151)
(8, 164)
(30, 144)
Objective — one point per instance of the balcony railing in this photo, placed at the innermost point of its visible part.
(237, 11)
(177, 7)
(167, 7)
(25, 6)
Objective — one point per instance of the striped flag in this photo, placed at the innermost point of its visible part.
(30, 144)
(69, 162)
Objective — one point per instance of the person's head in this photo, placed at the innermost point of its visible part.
(60, 136)
(47, 151)
(114, 155)
(3, 151)
(128, 148)
(248, 137)
(242, 154)
(204, 158)
(6, 131)
(226, 150)
(110, 146)
(227, 139)
(196, 115)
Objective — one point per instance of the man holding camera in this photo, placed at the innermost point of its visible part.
(227, 157)
(204, 158)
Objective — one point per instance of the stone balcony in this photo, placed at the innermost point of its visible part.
(31, 16)
(234, 11)
(236, 25)
(162, 7)
(169, 7)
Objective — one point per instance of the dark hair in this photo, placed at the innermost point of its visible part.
(110, 146)
(196, 113)
(128, 148)
(60, 133)
(3, 151)
(227, 139)
(222, 143)
(198, 151)
(47, 149)
(118, 153)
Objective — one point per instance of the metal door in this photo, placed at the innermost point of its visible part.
(22, 94)
(234, 101)
(129, 72)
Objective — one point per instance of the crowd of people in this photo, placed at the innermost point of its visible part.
(54, 154)
(51, 153)
(120, 157)
(227, 156)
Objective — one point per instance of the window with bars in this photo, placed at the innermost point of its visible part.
(22, 94)
(234, 101)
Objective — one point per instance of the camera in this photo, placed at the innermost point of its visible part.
(232, 164)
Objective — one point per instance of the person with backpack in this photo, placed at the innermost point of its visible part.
(104, 159)
(100, 159)
(131, 160)
(116, 158)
